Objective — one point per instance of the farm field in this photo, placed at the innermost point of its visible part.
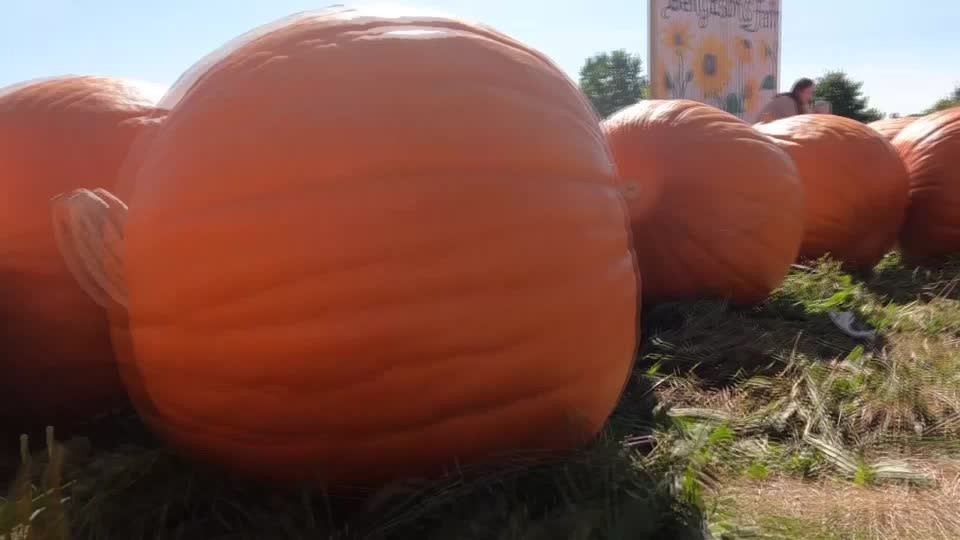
(768, 422)
(671, 297)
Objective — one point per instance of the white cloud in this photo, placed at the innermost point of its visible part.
(152, 91)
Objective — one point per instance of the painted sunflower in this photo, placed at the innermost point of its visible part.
(751, 95)
(744, 51)
(676, 37)
(711, 66)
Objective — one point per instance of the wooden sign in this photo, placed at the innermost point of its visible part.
(722, 52)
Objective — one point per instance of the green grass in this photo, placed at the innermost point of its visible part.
(608, 490)
(766, 422)
(805, 402)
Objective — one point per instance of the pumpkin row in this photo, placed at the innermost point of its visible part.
(297, 272)
(722, 209)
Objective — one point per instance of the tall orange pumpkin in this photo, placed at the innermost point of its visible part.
(855, 183)
(365, 247)
(56, 134)
(890, 127)
(930, 149)
(716, 207)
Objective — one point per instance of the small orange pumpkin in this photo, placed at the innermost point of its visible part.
(890, 127)
(855, 183)
(930, 150)
(366, 247)
(56, 134)
(716, 207)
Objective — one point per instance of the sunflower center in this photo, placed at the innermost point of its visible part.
(709, 64)
(678, 40)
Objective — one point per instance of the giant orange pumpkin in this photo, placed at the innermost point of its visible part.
(855, 183)
(890, 127)
(364, 247)
(930, 149)
(56, 134)
(716, 207)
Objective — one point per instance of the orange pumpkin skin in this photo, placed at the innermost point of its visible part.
(365, 247)
(856, 186)
(930, 150)
(55, 354)
(890, 127)
(716, 208)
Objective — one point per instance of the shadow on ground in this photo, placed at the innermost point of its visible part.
(920, 281)
(139, 490)
(721, 344)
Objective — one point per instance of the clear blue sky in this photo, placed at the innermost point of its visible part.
(906, 52)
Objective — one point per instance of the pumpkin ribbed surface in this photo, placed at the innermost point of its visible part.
(716, 207)
(56, 134)
(368, 247)
(930, 150)
(890, 127)
(856, 186)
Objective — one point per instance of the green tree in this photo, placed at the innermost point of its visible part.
(845, 96)
(613, 80)
(952, 100)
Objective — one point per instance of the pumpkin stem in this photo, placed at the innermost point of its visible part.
(88, 226)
